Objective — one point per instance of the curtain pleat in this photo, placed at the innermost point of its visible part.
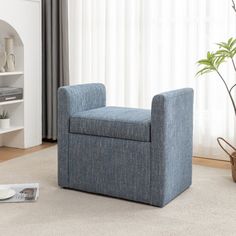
(139, 48)
(55, 60)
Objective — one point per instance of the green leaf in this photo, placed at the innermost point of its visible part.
(219, 61)
(204, 62)
(230, 40)
(228, 48)
(213, 60)
(204, 71)
(222, 52)
(232, 43)
(209, 55)
(223, 45)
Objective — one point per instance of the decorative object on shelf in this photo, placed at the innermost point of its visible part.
(3, 58)
(9, 47)
(4, 120)
(10, 94)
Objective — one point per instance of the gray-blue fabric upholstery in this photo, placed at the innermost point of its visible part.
(109, 166)
(73, 99)
(114, 122)
(99, 158)
(171, 146)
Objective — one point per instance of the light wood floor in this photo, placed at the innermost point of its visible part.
(211, 163)
(11, 153)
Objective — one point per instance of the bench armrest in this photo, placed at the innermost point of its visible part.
(73, 99)
(171, 144)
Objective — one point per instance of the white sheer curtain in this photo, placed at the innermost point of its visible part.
(139, 48)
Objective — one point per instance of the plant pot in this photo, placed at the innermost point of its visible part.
(4, 123)
(233, 166)
(232, 156)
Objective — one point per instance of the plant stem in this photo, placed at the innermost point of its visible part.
(232, 88)
(233, 6)
(233, 63)
(226, 86)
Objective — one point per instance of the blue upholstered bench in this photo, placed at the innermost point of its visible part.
(135, 154)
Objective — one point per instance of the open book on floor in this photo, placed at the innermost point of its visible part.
(19, 192)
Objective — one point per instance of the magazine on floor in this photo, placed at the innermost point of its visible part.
(19, 192)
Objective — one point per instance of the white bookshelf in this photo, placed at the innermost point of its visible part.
(21, 20)
(14, 135)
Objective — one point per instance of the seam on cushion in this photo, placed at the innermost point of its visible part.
(129, 123)
(97, 135)
(126, 109)
(93, 135)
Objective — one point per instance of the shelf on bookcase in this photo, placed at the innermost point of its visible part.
(11, 129)
(11, 73)
(11, 102)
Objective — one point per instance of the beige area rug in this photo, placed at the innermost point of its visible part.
(207, 208)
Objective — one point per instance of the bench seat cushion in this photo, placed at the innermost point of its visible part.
(114, 122)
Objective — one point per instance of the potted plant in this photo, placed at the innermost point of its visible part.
(225, 51)
(4, 120)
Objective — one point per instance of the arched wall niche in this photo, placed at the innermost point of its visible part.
(6, 31)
